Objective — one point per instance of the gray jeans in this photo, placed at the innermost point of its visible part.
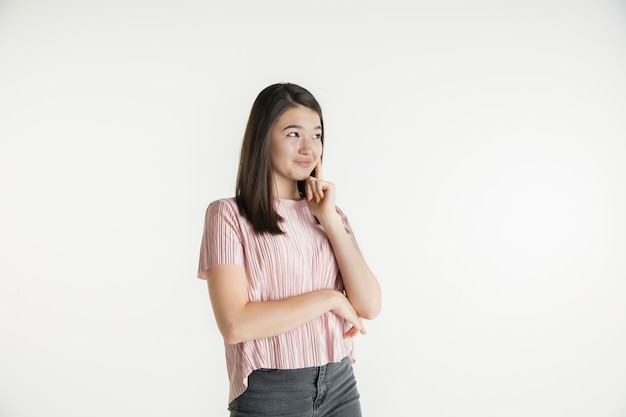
(324, 391)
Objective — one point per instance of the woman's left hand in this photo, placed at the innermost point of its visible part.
(320, 194)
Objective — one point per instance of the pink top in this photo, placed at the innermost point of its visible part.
(277, 267)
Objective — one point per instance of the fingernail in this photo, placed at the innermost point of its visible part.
(317, 200)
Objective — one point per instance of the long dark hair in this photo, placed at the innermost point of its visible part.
(254, 179)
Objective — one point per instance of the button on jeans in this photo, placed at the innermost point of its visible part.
(325, 391)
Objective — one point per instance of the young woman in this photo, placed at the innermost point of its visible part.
(288, 285)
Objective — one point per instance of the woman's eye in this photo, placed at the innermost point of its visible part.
(292, 134)
(317, 136)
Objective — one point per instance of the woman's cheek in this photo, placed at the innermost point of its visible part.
(318, 150)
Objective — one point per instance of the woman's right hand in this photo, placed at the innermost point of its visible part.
(344, 309)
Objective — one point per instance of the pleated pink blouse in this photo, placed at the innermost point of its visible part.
(277, 267)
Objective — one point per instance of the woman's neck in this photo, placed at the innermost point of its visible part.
(288, 193)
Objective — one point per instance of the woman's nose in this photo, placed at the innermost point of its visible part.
(305, 145)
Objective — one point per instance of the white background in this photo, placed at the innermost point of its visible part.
(478, 148)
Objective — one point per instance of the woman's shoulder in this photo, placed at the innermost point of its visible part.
(221, 206)
(225, 201)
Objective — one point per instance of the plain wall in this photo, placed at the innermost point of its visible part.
(478, 149)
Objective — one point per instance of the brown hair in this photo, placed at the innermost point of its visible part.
(254, 179)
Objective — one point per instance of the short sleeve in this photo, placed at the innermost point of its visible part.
(221, 239)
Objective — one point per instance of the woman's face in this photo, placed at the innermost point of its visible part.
(296, 148)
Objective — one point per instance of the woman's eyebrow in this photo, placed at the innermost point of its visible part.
(300, 127)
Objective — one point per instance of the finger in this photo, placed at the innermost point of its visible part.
(361, 327)
(354, 330)
(322, 188)
(351, 333)
(308, 191)
(318, 170)
(318, 190)
(311, 189)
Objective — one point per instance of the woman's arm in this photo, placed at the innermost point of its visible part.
(240, 320)
(361, 285)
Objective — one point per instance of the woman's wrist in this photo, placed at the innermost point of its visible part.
(330, 220)
(334, 298)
